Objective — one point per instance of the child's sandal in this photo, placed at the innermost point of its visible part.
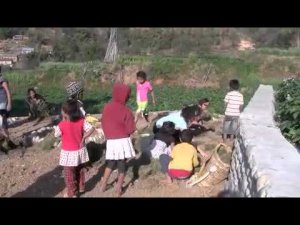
(118, 193)
(66, 196)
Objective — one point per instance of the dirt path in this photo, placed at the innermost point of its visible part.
(35, 173)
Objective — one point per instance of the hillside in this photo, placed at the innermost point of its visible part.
(90, 43)
(183, 64)
(185, 79)
(195, 61)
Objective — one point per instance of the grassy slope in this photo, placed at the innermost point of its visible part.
(50, 78)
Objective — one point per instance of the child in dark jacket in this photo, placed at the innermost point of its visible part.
(118, 125)
(163, 141)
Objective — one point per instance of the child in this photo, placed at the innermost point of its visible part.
(203, 104)
(183, 159)
(143, 87)
(118, 125)
(75, 92)
(198, 126)
(234, 101)
(73, 154)
(182, 119)
(163, 141)
(5, 105)
(36, 104)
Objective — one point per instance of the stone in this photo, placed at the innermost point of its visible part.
(248, 173)
(245, 184)
(262, 182)
(263, 159)
(232, 163)
(262, 192)
(253, 172)
(248, 193)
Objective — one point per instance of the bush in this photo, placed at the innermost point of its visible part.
(288, 109)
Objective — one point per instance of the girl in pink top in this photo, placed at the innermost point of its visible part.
(143, 87)
(73, 130)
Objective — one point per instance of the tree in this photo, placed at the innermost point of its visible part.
(9, 32)
(112, 47)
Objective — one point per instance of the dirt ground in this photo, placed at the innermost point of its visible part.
(34, 172)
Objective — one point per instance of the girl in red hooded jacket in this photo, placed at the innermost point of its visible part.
(118, 125)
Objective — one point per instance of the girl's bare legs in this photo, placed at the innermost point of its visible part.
(105, 178)
(121, 178)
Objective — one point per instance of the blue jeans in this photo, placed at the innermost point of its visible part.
(164, 161)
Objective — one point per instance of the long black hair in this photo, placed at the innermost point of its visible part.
(168, 127)
(36, 95)
(190, 112)
(31, 89)
(70, 107)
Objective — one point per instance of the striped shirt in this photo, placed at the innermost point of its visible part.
(234, 100)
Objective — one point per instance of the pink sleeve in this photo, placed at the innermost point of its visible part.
(149, 86)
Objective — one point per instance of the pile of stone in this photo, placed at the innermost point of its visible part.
(246, 45)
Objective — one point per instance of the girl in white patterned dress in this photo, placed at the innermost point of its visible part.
(73, 130)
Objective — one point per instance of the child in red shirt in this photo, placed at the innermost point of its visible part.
(118, 125)
(73, 130)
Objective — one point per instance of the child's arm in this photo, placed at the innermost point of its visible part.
(6, 88)
(226, 100)
(195, 159)
(57, 131)
(204, 154)
(87, 134)
(153, 97)
(172, 145)
(242, 104)
(150, 88)
(82, 111)
(129, 123)
(89, 129)
(172, 152)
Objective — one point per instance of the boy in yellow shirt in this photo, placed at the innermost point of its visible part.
(183, 159)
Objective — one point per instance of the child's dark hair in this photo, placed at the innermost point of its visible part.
(141, 74)
(234, 84)
(202, 101)
(186, 136)
(71, 108)
(29, 90)
(168, 127)
(190, 112)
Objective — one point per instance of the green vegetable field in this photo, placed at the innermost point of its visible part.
(288, 109)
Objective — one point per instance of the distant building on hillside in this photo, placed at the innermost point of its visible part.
(20, 38)
(27, 50)
(13, 57)
(6, 62)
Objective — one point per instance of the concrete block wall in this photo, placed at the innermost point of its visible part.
(264, 163)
